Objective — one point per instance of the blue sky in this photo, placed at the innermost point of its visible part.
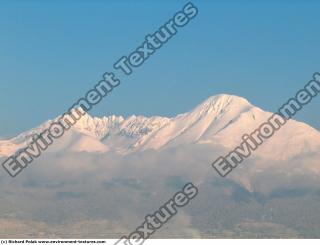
(52, 52)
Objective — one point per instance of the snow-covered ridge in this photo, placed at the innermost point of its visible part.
(219, 120)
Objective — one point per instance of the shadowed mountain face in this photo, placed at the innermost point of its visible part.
(110, 172)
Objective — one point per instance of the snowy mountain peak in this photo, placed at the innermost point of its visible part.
(225, 99)
(222, 101)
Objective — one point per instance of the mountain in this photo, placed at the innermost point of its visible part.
(219, 120)
(109, 172)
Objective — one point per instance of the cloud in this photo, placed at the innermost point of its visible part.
(83, 189)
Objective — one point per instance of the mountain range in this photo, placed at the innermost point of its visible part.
(109, 172)
(219, 120)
